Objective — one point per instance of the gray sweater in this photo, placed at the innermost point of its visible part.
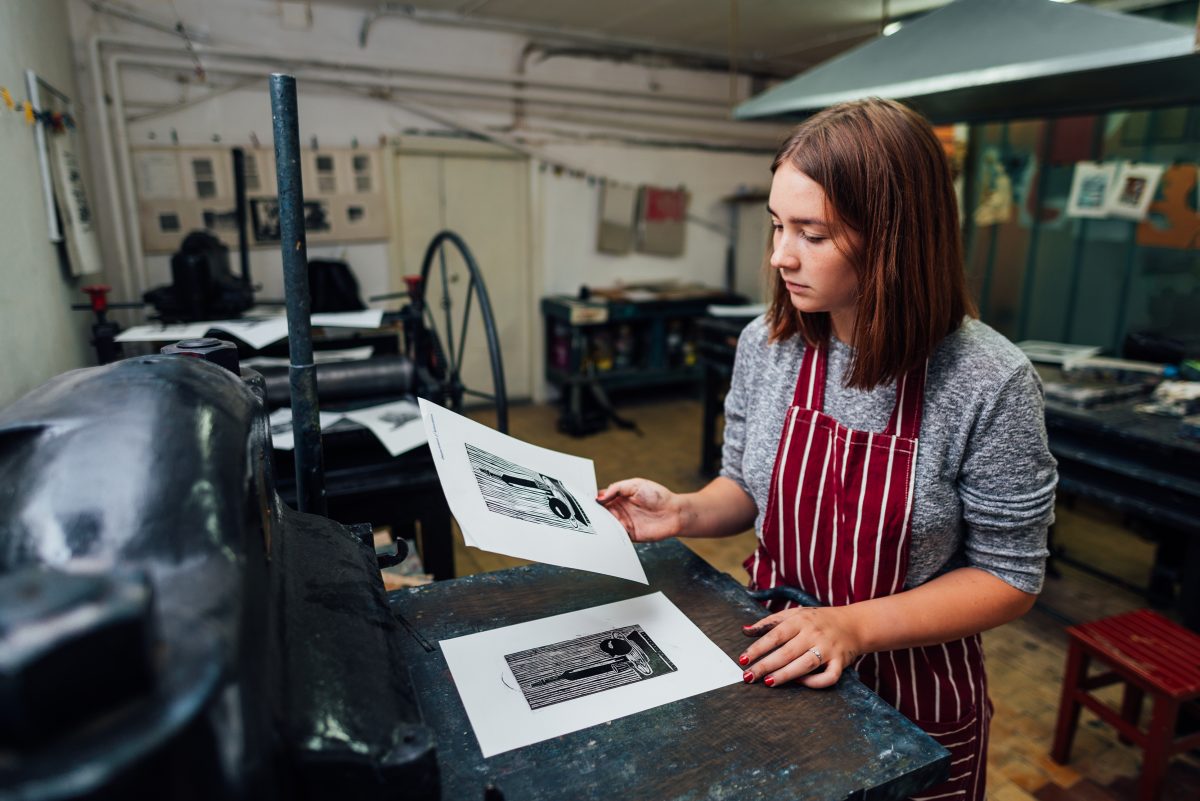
(984, 492)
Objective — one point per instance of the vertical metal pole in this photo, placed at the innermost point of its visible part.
(239, 191)
(302, 373)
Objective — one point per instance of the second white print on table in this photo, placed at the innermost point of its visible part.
(515, 491)
(550, 674)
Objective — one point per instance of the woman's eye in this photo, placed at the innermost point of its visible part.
(812, 237)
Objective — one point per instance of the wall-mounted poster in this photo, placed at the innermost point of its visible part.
(996, 191)
(662, 220)
(74, 209)
(264, 217)
(183, 189)
(1089, 189)
(1132, 190)
(618, 208)
(68, 211)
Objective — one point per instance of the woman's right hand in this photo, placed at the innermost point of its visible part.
(648, 511)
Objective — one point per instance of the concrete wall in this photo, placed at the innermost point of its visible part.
(39, 334)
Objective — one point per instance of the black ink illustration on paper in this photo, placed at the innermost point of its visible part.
(551, 674)
(399, 418)
(515, 491)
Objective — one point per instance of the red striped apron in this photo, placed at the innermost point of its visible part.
(837, 526)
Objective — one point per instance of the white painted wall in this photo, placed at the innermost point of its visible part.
(39, 334)
(572, 206)
(600, 141)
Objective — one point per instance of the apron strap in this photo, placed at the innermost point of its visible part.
(906, 414)
(810, 383)
(910, 392)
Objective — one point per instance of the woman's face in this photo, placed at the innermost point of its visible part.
(817, 274)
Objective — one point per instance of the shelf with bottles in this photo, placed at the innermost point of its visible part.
(624, 344)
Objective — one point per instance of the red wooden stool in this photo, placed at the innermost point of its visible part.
(1152, 656)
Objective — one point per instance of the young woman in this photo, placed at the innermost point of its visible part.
(889, 449)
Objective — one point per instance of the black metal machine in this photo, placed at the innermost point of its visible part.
(202, 286)
(169, 629)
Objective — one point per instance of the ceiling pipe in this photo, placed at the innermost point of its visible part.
(694, 57)
(512, 96)
(274, 57)
(110, 170)
(133, 226)
(735, 131)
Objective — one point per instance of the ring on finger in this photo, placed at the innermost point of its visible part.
(817, 653)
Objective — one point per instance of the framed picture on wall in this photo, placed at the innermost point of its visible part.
(264, 216)
(1089, 189)
(59, 144)
(1132, 190)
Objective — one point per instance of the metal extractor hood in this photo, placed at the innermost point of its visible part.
(974, 60)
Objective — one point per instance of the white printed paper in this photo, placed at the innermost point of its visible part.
(162, 333)
(1133, 189)
(397, 425)
(1089, 189)
(283, 437)
(367, 318)
(517, 499)
(526, 683)
(257, 333)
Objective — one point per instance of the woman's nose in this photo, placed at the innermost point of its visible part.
(782, 258)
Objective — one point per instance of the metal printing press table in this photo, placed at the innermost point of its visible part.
(737, 742)
(1135, 464)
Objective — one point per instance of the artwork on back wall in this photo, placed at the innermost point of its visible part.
(1089, 189)
(1133, 189)
(1122, 190)
(182, 189)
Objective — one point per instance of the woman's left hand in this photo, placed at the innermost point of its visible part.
(793, 643)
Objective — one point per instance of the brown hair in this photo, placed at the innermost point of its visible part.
(886, 177)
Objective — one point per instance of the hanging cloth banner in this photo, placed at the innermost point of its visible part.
(662, 220)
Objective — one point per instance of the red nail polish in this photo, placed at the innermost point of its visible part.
(769, 681)
(748, 628)
(747, 677)
(744, 660)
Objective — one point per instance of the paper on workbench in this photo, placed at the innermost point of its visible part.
(517, 499)
(257, 332)
(397, 425)
(526, 683)
(158, 332)
(283, 437)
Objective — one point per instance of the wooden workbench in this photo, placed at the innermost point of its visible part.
(743, 742)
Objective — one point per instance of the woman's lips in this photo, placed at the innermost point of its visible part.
(792, 287)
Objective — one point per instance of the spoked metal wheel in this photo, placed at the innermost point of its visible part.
(459, 346)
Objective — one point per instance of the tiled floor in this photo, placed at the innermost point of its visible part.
(1025, 658)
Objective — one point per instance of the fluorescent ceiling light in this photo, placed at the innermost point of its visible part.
(892, 27)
